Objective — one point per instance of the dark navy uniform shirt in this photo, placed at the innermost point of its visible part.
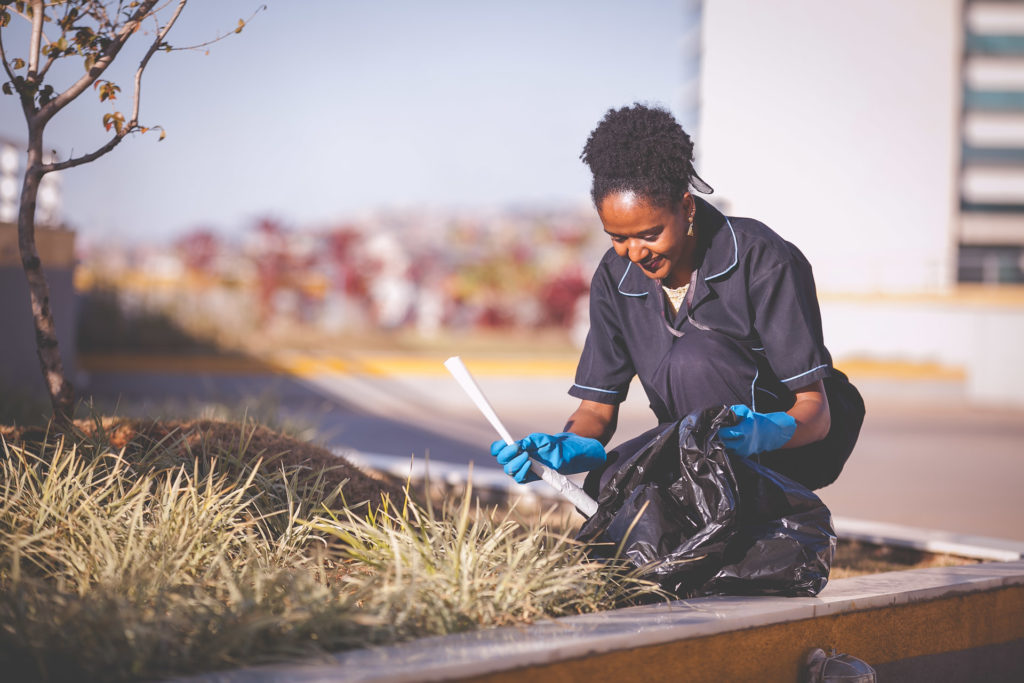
(751, 333)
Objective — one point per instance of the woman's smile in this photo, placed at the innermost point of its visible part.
(653, 237)
(652, 265)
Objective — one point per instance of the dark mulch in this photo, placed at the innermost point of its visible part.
(181, 441)
(854, 558)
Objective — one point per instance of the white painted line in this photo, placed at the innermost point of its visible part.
(929, 540)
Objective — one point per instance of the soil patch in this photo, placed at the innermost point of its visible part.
(170, 443)
(854, 558)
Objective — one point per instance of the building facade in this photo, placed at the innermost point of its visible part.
(990, 239)
(886, 140)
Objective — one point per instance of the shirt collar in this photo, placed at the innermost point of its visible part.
(718, 239)
(719, 258)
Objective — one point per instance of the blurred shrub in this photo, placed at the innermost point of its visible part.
(105, 324)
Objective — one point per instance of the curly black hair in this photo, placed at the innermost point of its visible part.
(644, 150)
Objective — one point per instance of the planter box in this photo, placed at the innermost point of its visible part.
(951, 623)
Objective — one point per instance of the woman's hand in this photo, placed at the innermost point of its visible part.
(807, 421)
(757, 432)
(564, 452)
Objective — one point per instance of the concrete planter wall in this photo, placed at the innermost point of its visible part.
(19, 365)
(952, 624)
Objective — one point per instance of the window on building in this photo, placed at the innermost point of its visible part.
(991, 237)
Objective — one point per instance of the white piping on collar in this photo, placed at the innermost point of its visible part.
(623, 279)
(735, 253)
(753, 391)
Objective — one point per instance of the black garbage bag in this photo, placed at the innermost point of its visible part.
(701, 521)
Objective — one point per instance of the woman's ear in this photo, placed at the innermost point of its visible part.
(689, 205)
(690, 211)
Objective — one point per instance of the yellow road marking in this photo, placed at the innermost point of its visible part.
(384, 365)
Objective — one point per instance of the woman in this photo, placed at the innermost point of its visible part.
(706, 309)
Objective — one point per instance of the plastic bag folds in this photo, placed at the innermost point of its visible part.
(699, 521)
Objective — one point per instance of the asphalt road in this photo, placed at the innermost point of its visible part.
(926, 457)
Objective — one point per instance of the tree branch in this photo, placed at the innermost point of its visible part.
(49, 60)
(162, 7)
(78, 87)
(92, 156)
(223, 35)
(63, 32)
(43, 40)
(133, 124)
(27, 103)
(145, 60)
(3, 58)
(46, 67)
(14, 10)
(98, 11)
(34, 41)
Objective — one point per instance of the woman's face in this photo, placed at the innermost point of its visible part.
(653, 237)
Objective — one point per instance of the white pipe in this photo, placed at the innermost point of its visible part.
(570, 491)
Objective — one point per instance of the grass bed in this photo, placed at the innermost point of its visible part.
(142, 549)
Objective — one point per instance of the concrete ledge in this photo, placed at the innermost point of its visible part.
(882, 618)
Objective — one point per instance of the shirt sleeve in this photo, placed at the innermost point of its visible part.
(788, 320)
(605, 368)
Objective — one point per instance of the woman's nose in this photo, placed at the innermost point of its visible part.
(638, 251)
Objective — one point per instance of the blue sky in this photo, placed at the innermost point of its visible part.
(323, 109)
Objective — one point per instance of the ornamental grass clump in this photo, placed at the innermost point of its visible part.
(130, 553)
(423, 571)
(112, 573)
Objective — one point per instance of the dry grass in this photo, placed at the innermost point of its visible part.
(424, 571)
(133, 550)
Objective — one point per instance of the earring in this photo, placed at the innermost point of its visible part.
(689, 233)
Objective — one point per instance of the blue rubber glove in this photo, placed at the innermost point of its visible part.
(564, 452)
(756, 432)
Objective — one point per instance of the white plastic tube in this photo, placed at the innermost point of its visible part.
(570, 491)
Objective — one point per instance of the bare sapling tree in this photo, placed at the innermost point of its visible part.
(93, 31)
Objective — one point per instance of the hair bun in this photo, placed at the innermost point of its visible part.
(643, 149)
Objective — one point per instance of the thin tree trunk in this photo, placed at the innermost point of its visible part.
(60, 390)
